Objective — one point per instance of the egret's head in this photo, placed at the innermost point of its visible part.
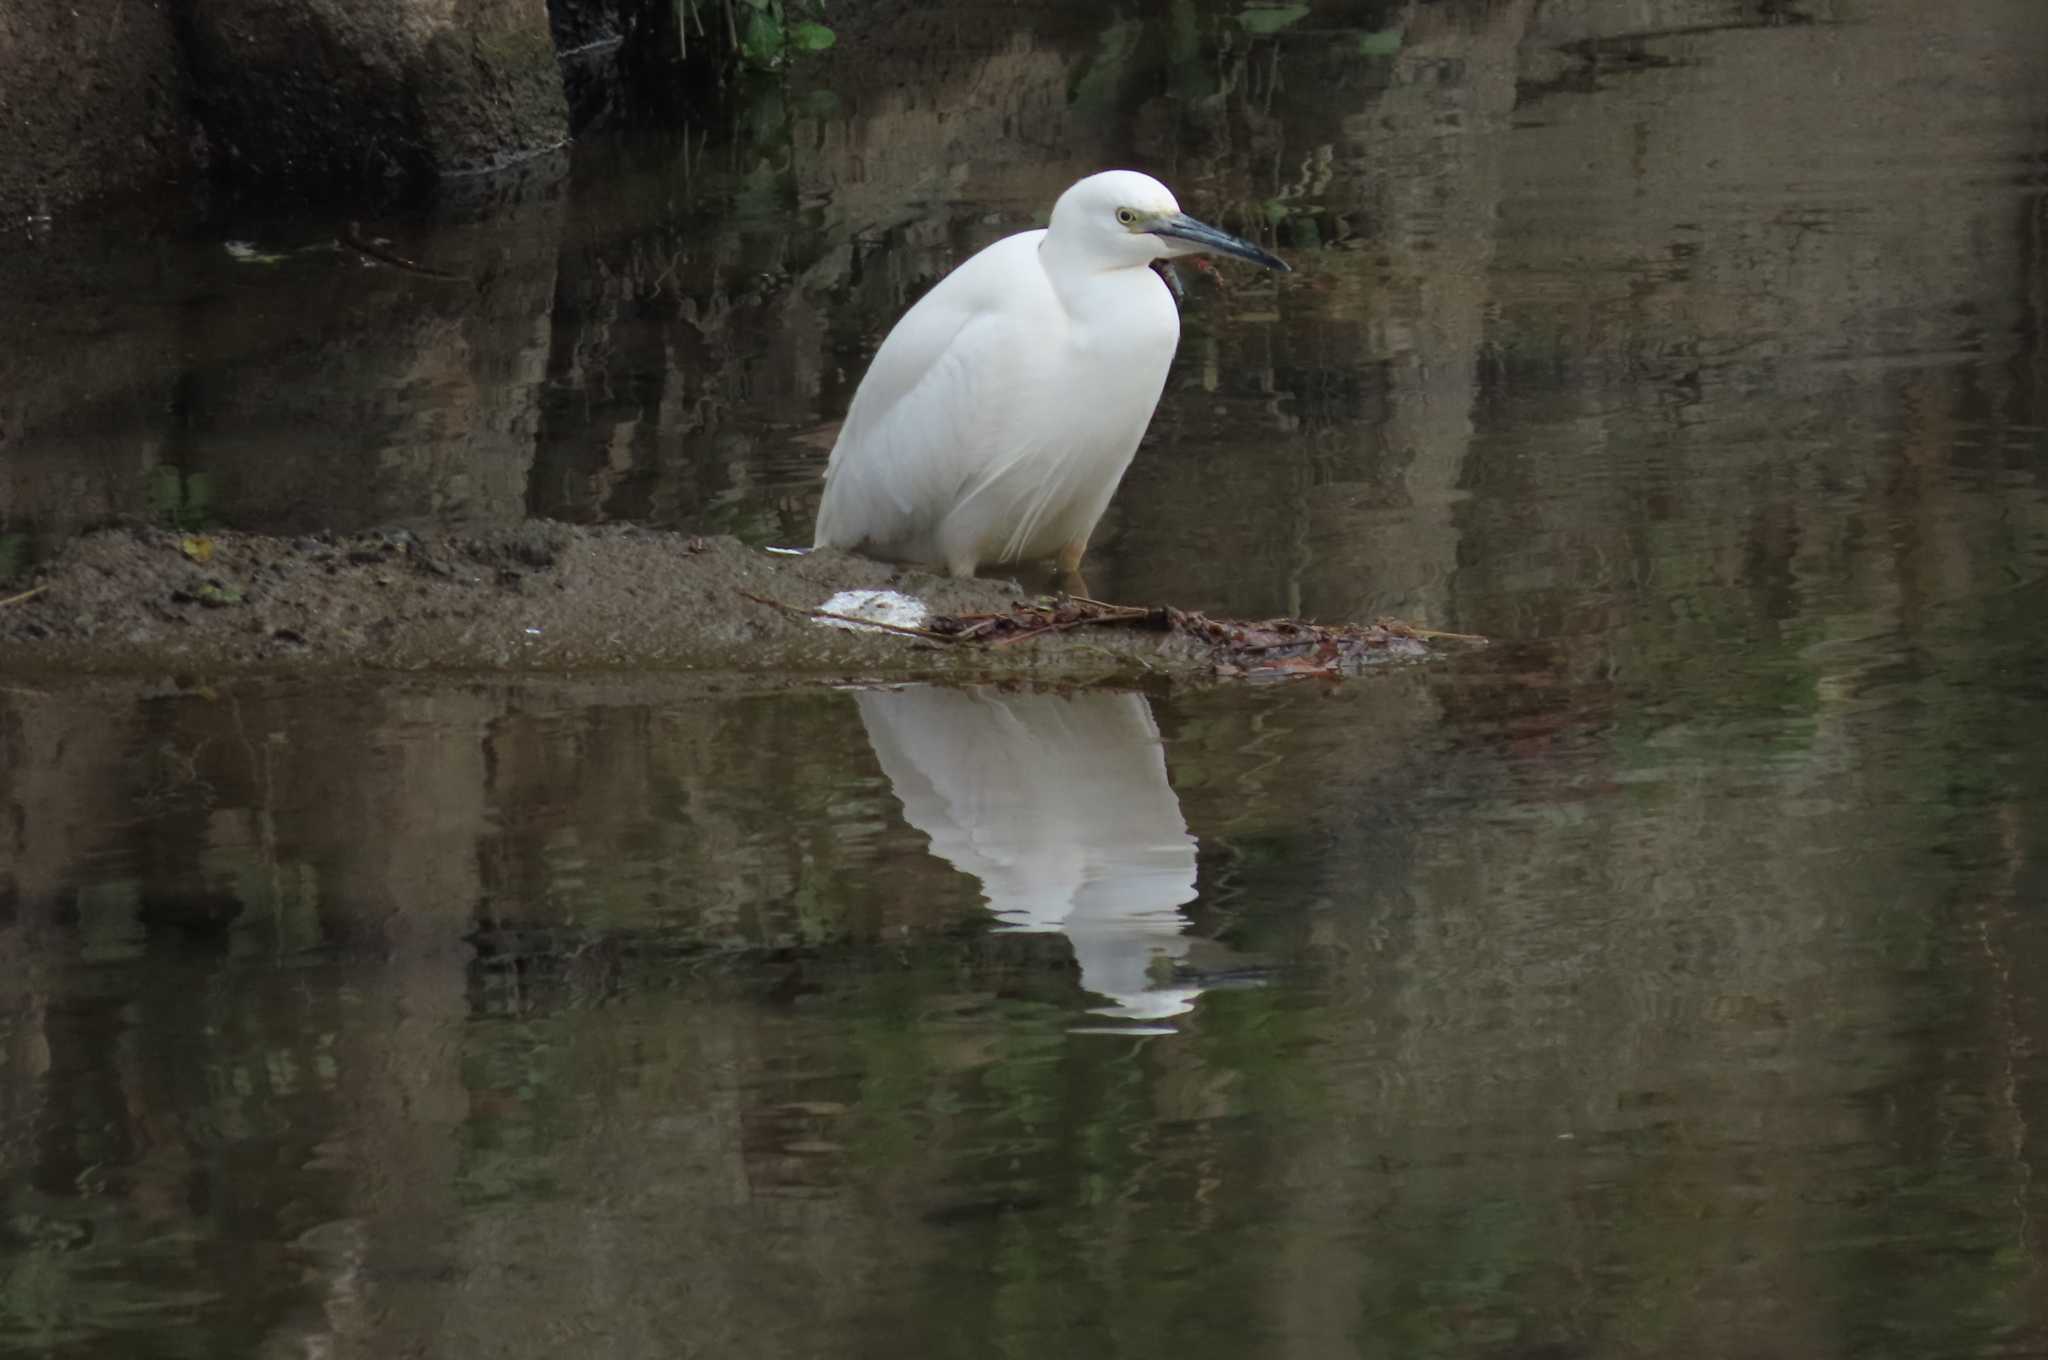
(1121, 217)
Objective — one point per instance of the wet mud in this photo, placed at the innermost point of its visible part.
(543, 596)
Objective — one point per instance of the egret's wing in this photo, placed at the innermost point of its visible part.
(941, 385)
(898, 468)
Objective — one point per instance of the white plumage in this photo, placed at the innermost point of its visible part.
(1001, 412)
(1060, 806)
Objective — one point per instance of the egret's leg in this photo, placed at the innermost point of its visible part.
(961, 567)
(1068, 576)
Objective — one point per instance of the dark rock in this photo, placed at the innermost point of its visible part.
(92, 103)
(361, 90)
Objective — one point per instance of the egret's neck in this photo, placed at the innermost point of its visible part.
(1091, 287)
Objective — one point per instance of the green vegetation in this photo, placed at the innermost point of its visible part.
(177, 499)
(766, 34)
(1264, 19)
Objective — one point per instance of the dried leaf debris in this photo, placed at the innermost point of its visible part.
(1267, 650)
(1271, 649)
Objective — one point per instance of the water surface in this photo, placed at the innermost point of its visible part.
(1664, 980)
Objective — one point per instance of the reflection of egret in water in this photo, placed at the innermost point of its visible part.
(1059, 804)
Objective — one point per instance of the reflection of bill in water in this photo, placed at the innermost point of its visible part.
(1059, 804)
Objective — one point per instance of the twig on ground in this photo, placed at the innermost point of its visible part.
(1400, 629)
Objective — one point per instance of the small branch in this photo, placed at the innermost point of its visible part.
(1409, 630)
(1019, 637)
(25, 595)
(1302, 643)
(353, 239)
(1123, 614)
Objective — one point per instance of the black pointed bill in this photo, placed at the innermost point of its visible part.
(1181, 227)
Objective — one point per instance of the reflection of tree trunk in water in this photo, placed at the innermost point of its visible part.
(2034, 330)
(1954, 556)
(67, 790)
(398, 859)
(436, 381)
(2002, 932)
(1439, 240)
(1368, 558)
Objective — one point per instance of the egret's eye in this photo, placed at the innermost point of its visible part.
(1126, 216)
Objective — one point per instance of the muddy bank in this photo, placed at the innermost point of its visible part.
(540, 597)
(555, 597)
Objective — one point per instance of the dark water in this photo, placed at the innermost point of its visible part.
(1667, 979)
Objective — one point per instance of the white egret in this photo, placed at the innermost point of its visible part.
(999, 415)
